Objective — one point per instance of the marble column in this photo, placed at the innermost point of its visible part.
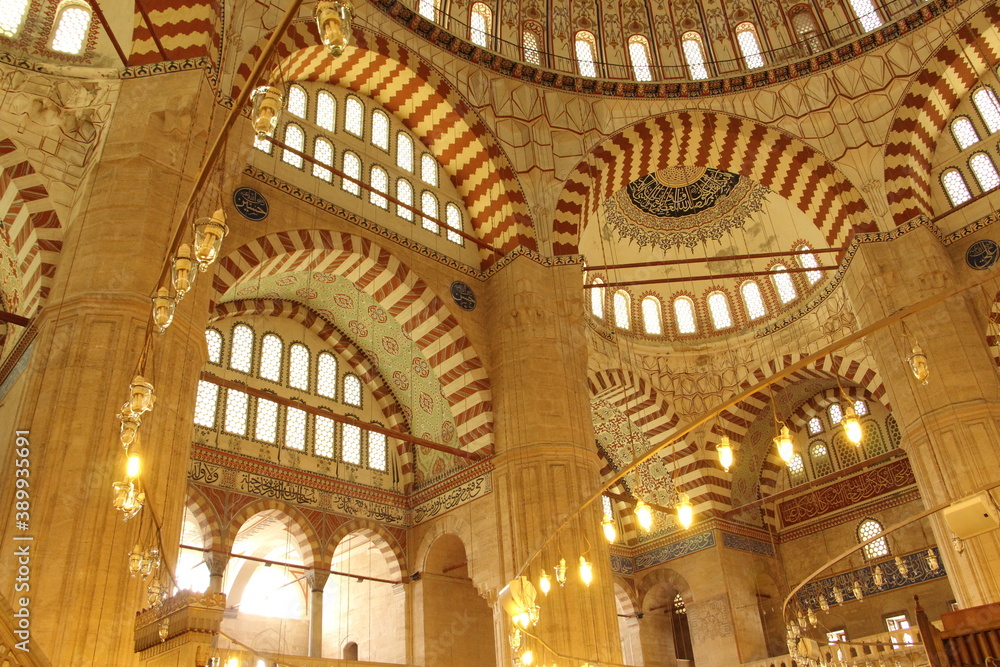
(217, 564)
(316, 579)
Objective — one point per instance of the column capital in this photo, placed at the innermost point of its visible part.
(216, 562)
(317, 578)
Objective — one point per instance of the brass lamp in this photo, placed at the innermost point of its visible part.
(208, 235)
(128, 498)
(163, 308)
(725, 452)
(852, 425)
(267, 101)
(786, 447)
(918, 364)
(644, 515)
(609, 529)
(181, 275)
(685, 511)
(333, 21)
(141, 397)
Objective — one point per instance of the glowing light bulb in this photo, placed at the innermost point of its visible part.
(644, 515)
(132, 466)
(561, 572)
(586, 571)
(528, 658)
(609, 529)
(685, 511)
(852, 425)
(522, 620)
(545, 583)
(725, 451)
(786, 448)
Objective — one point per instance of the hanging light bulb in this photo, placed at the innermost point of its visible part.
(902, 566)
(856, 589)
(163, 308)
(878, 577)
(586, 571)
(141, 395)
(515, 639)
(918, 364)
(150, 562)
(609, 529)
(267, 103)
(685, 511)
(528, 658)
(545, 583)
(135, 560)
(644, 515)
(786, 448)
(725, 452)
(823, 603)
(837, 595)
(128, 498)
(333, 21)
(181, 274)
(132, 466)
(932, 560)
(561, 572)
(208, 235)
(852, 425)
(130, 428)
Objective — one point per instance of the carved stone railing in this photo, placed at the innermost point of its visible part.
(12, 646)
(249, 659)
(901, 647)
(185, 624)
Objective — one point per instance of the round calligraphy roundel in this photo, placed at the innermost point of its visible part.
(250, 204)
(982, 254)
(463, 295)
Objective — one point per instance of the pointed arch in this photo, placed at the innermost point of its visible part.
(384, 541)
(299, 527)
(206, 517)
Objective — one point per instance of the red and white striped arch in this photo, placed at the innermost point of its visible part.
(403, 295)
(427, 104)
(769, 156)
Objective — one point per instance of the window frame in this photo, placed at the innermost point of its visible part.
(540, 60)
(345, 184)
(650, 298)
(16, 32)
(305, 101)
(488, 32)
(866, 550)
(954, 136)
(696, 38)
(405, 213)
(425, 220)
(694, 315)
(728, 308)
(329, 168)
(947, 192)
(375, 193)
(281, 357)
(57, 19)
(979, 111)
(332, 128)
(253, 347)
(643, 42)
(627, 299)
(975, 174)
(388, 130)
(760, 297)
(347, 108)
(749, 27)
(586, 36)
(361, 390)
(285, 153)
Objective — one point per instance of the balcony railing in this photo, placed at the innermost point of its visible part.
(901, 647)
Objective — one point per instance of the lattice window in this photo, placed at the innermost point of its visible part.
(964, 132)
(836, 414)
(638, 51)
(326, 375)
(718, 307)
(350, 444)
(679, 607)
(860, 407)
(298, 101)
(379, 179)
(753, 302)
(746, 36)
(323, 152)
(404, 194)
(783, 284)
(205, 403)
(298, 367)
(429, 208)
(804, 25)
(213, 339)
(597, 299)
(294, 138)
(324, 436)
(429, 169)
(531, 45)
(796, 469)
(621, 303)
(867, 15)
(955, 187)
(295, 429)
(12, 13)
(352, 167)
(847, 453)
(380, 129)
(354, 116)
(241, 348)
(879, 548)
(652, 316)
(404, 151)
(988, 107)
(271, 349)
(815, 426)
(985, 171)
(809, 261)
(71, 25)
(352, 390)
(694, 55)
(326, 111)
(480, 24)
(237, 404)
(378, 451)
(262, 145)
(586, 53)
(606, 505)
(427, 9)
(453, 217)
(684, 314)
(266, 426)
(820, 459)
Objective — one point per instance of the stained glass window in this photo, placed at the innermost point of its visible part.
(323, 152)
(746, 36)
(879, 548)
(352, 390)
(809, 261)
(964, 132)
(684, 314)
(652, 316)
(350, 444)
(71, 26)
(354, 116)
(989, 108)
(352, 167)
(638, 51)
(454, 219)
(586, 53)
(12, 13)
(429, 208)
(783, 284)
(378, 451)
(429, 169)
(597, 299)
(404, 151)
(380, 129)
(752, 300)
(694, 55)
(530, 43)
(294, 138)
(241, 350)
(955, 187)
(205, 403)
(620, 301)
(718, 306)
(379, 178)
(326, 111)
(298, 367)
(236, 412)
(985, 171)
(480, 24)
(214, 341)
(266, 427)
(865, 11)
(326, 375)
(297, 101)
(295, 429)
(325, 429)
(404, 193)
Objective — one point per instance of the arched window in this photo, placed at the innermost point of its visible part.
(351, 651)
(621, 304)
(326, 375)
(295, 429)
(205, 403)
(404, 194)
(684, 314)
(378, 451)
(480, 24)
(298, 101)
(681, 631)
(879, 548)
(638, 51)
(354, 116)
(404, 151)
(815, 426)
(429, 169)
(586, 53)
(241, 348)
(955, 186)
(808, 261)
(380, 129)
(427, 9)
(12, 13)
(964, 132)
(70, 27)
(352, 390)
(323, 152)
(429, 208)
(266, 425)
(860, 408)
(326, 111)
(262, 145)
(237, 405)
(694, 55)
(607, 506)
(985, 171)
(836, 413)
(796, 469)
(271, 350)
(352, 167)
(718, 307)
(988, 107)
(783, 284)
(298, 367)
(531, 44)
(753, 302)
(379, 179)
(746, 37)
(213, 339)
(294, 138)
(820, 459)
(597, 298)
(652, 316)
(806, 29)
(453, 217)
(867, 15)
(350, 444)
(323, 436)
